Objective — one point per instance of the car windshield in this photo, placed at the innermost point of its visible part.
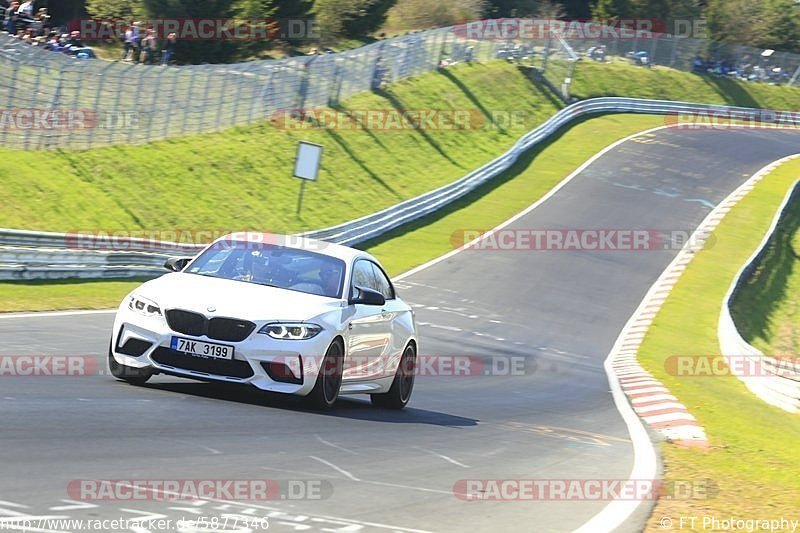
(273, 265)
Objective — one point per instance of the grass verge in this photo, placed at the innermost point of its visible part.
(45, 295)
(616, 78)
(753, 459)
(240, 178)
(413, 244)
(766, 308)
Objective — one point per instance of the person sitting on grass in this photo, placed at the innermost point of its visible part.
(75, 47)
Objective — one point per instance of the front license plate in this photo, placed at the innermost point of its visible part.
(202, 349)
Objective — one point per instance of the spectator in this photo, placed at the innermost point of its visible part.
(25, 13)
(52, 42)
(698, 65)
(75, 47)
(135, 41)
(75, 39)
(11, 18)
(148, 47)
(169, 48)
(36, 26)
(128, 40)
(43, 19)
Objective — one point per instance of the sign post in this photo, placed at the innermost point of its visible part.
(306, 166)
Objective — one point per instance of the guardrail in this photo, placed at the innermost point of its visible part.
(775, 381)
(354, 231)
(46, 255)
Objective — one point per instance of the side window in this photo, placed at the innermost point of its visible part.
(363, 275)
(383, 284)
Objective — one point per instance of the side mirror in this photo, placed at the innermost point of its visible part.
(176, 264)
(367, 297)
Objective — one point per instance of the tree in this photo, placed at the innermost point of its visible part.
(350, 18)
(115, 9)
(548, 9)
(511, 8)
(759, 23)
(423, 14)
(368, 19)
(780, 26)
(612, 9)
(574, 9)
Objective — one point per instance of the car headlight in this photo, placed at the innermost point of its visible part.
(143, 306)
(293, 332)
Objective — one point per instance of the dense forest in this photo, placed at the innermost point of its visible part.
(761, 23)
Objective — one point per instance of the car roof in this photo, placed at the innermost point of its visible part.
(298, 242)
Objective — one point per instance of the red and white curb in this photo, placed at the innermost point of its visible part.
(648, 397)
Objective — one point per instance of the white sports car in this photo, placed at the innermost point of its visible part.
(284, 314)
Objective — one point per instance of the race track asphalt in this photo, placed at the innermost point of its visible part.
(557, 313)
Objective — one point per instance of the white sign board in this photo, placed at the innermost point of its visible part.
(308, 158)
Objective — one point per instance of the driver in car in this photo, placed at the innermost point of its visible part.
(261, 272)
(329, 277)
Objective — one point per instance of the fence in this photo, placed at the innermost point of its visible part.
(680, 53)
(115, 102)
(101, 103)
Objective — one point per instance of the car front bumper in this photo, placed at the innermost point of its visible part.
(253, 358)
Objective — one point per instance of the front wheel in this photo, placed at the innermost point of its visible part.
(133, 375)
(400, 391)
(329, 378)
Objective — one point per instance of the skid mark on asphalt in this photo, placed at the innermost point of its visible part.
(444, 457)
(72, 506)
(332, 445)
(658, 192)
(342, 471)
(364, 481)
(701, 201)
(574, 435)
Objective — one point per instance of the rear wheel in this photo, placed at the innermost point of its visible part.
(133, 375)
(400, 391)
(329, 378)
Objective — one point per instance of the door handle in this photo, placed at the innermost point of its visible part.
(385, 313)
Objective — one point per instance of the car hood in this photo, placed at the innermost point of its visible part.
(236, 299)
